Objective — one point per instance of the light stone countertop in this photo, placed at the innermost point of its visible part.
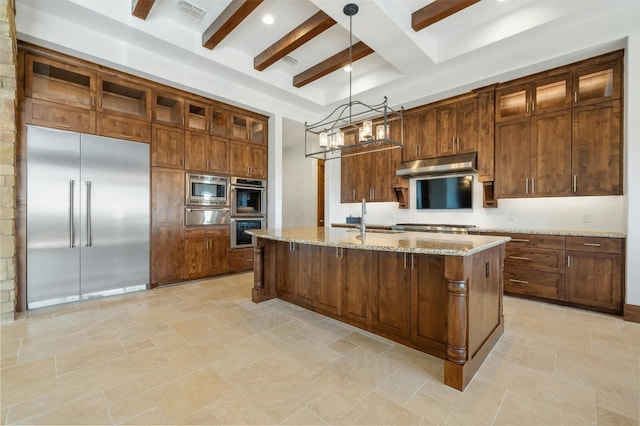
(396, 241)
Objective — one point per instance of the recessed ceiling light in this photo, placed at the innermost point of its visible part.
(347, 68)
(268, 19)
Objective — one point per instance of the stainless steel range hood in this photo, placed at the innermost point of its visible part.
(454, 164)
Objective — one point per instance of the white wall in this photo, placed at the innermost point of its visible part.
(299, 179)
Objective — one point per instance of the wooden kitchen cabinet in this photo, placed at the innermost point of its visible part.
(533, 156)
(486, 134)
(248, 160)
(167, 146)
(206, 153)
(367, 176)
(594, 275)
(429, 301)
(533, 95)
(297, 280)
(241, 260)
(167, 212)
(357, 297)
(206, 117)
(123, 96)
(534, 265)
(206, 251)
(248, 128)
(59, 95)
(121, 127)
(331, 272)
(420, 133)
(391, 293)
(596, 158)
(457, 127)
(168, 108)
(598, 83)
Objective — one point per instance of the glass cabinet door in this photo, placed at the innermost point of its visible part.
(196, 116)
(598, 84)
(123, 97)
(551, 94)
(248, 128)
(219, 121)
(61, 83)
(168, 108)
(512, 103)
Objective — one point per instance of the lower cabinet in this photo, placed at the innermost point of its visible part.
(206, 252)
(429, 299)
(392, 293)
(582, 271)
(166, 254)
(241, 260)
(594, 272)
(356, 301)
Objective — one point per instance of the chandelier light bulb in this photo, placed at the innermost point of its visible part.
(381, 131)
(367, 129)
(323, 139)
(340, 139)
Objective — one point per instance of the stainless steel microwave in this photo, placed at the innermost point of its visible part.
(206, 190)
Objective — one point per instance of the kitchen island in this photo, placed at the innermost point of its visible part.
(438, 293)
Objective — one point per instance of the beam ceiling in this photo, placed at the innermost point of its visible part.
(437, 11)
(141, 8)
(228, 20)
(337, 61)
(294, 39)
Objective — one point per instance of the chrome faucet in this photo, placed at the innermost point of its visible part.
(363, 227)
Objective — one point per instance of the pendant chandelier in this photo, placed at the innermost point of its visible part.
(354, 128)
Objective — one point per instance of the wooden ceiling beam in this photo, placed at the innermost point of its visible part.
(337, 61)
(437, 11)
(228, 20)
(141, 8)
(294, 39)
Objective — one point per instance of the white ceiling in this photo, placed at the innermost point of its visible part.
(489, 41)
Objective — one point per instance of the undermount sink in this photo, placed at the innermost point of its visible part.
(378, 231)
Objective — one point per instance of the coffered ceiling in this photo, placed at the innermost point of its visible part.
(469, 43)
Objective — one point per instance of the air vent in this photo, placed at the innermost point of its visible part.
(291, 61)
(191, 9)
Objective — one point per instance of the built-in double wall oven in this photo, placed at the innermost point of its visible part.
(206, 200)
(248, 209)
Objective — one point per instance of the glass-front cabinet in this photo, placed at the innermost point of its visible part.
(58, 82)
(248, 128)
(168, 108)
(598, 84)
(120, 96)
(536, 97)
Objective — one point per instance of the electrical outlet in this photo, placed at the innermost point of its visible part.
(586, 218)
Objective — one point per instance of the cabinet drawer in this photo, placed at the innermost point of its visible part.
(124, 128)
(534, 259)
(595, 244)
(555, 242)
(50, 114)
(241, 260)
(534, 283)
(216, 231)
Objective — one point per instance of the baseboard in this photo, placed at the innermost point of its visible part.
(631, 313)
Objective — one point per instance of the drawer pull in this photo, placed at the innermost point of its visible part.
(591, 244)
(519, 258)
(519, 240)
(518, 281)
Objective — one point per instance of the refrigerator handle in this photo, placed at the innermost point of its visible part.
(89, 240)
(72, 236)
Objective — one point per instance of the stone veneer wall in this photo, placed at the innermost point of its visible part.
(8, 134)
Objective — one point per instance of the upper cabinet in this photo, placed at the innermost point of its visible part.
(598, 83)
(420, 131)
(540, 96)
(121, 96)
(206, 117)
(168, 108)
(248, 128)
(457, 127)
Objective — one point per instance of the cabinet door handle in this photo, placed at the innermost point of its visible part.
(591, 244)
(518, 281)
(405, 261)
(526, 185)
(527, 108)
(518, 240)
(533, 185)
(412, 261)
(337, 252)
(568, 261)
(458, 141)
(575, 183)
(519, 258)
(533, 106)
(575, 97)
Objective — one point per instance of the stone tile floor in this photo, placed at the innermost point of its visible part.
(203, 353)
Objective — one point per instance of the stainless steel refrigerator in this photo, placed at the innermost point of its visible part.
(87, 216)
